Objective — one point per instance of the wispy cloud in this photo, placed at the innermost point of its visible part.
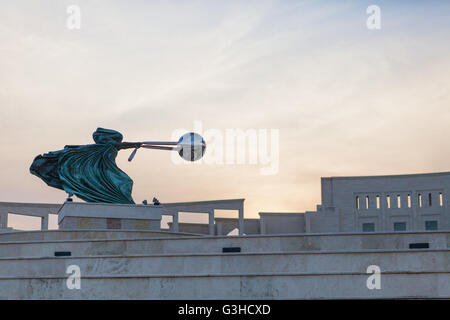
(347, 100)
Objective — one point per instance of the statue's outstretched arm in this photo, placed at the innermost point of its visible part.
(128, 145)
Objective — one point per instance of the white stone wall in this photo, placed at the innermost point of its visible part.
(350, 202)
(297, 266)
(290, 223)
(373, 193)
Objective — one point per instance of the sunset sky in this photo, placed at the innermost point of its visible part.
(346, 100)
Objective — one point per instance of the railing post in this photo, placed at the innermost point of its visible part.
(219, 228)
(44, 223)
(241, 218)
(211, 222)
(175, 222)
(3, 220)
(262, 225)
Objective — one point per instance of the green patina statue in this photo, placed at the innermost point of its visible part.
(90, 171)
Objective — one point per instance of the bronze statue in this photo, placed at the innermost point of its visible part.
(90, 171)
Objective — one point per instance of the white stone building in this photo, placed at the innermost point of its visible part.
(412, 202)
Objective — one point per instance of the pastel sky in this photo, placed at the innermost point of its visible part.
(346, 100)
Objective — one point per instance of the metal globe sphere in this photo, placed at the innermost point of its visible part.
(191, 146)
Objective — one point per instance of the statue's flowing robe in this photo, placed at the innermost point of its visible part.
(88, 171)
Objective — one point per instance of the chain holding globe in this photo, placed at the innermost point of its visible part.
(190, 146)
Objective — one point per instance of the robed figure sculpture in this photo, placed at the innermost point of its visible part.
(90, 171)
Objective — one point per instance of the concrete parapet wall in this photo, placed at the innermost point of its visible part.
(256, 286)
(77, 234)
(311, 266)
(76, 215)
(109, 223)
(241, 263)
(250, 243)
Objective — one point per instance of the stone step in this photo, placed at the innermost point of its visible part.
(49, 235)
(400, 284)
(202, 244)
(230, 263)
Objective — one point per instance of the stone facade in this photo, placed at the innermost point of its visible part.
(114, 265)
(74, 215)
(372, 204)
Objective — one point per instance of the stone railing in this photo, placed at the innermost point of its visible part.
(41, 210)
(173, 209)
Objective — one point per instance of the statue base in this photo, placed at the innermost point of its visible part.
(80, 215)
